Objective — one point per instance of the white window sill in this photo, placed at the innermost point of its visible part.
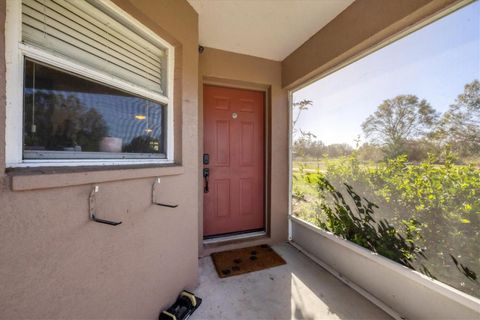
(50, 163)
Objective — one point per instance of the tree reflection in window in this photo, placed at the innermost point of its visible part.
(75, 116)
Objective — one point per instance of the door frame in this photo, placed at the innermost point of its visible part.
(266, 89)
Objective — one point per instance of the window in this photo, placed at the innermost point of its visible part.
(67, 117)
(95, 86)
(386, 151)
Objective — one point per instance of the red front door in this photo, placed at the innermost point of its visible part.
(234, 142)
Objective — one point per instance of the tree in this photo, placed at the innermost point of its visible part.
(302, 145)
(144, 144)
(397, 121)
(307, 146)
(369, 152)
(300, 106)
(460, 124)
(62, 121)
(336, 150)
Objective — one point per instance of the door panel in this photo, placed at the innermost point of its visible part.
(222, 146)
(222, 190)
(234, 140)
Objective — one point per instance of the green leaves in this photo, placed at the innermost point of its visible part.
(358, 224)
(470, 274)
(415, 214)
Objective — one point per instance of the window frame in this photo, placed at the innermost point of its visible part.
(15, 54)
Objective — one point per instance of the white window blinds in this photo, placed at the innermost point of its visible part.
(81, 32)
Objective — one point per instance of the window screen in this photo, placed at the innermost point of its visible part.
(386, 151)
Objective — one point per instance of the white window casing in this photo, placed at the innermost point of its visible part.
(94, 39)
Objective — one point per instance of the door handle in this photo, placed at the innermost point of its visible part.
(206, 173)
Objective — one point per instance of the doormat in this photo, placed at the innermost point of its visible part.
(234, 262)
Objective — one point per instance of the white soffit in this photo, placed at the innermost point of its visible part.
(270, 29)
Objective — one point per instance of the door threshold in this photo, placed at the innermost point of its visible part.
(228, 238)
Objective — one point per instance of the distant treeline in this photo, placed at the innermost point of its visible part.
(405, 125)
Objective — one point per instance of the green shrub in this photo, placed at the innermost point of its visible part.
(425, 215)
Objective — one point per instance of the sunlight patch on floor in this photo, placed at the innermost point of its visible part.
(298, 290)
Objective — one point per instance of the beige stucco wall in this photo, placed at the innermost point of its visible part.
(55, 263)
(363, 25)
(238, 70)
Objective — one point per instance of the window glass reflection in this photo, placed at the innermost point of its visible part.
(66, 116)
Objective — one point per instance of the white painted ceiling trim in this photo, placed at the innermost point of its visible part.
(270, 29)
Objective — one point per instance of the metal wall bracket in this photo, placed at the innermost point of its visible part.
(154, 187)
(91, 209)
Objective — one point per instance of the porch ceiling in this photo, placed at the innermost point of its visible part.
(269, 29)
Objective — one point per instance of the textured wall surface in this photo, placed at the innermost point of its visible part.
(362, 25)
(55, 263)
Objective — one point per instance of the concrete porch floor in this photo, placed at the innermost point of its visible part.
(301, 289)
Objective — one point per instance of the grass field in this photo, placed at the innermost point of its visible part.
(314, 165)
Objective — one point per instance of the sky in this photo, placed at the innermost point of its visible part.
(433, 63)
